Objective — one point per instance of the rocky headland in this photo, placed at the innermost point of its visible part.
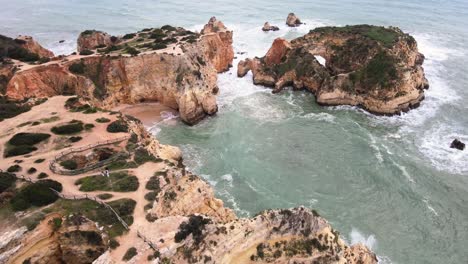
(170, 65)
(172, 215)
(376, 68)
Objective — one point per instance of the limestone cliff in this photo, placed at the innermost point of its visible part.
(172, 65)
(377, 68)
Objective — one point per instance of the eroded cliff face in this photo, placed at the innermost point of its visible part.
(377, 68)
(75, 240)
(180, 73)
(33, 46)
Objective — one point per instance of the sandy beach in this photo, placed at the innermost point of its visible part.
(148, 113)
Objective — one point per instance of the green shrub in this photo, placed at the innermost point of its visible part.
(142, 156)
(129, 36)
(32, 170)
(71, 102)
(168, 28)
(6, 181)
(151, 218)
(103, 120)
(117, 182)
(153, 183)
(113, 244)
(19, 150)
(9, 108)
(74, 139)
(14, 168)
(77, 68)
(86, 52)
(117, 126)
(57, 223)
(42, 175)
(132, 51)
(131, 252)
(28, 138)
(36, 194)
(39, 160)
(90, 110)
(151, 196)
(89, 126)
(194, 226)
(69, 164)
(105, 196)
(158, 46)
(68, 129)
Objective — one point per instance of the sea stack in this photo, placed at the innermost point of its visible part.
(457, 144)
(268, 27)
(292, 20)
(349, 77)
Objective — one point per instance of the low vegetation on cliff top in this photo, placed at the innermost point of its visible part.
(386, 36)
(117, 182)
(10, 48)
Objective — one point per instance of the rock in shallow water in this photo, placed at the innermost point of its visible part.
(292, 20)
(457, 144)
(268, 27)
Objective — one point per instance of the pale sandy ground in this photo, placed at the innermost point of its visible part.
(148, 113)
(55, 107)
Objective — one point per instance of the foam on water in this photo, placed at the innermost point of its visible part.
(325, 117)
(357, 237)
(435, 145)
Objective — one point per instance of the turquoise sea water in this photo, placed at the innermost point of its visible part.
(390, 182)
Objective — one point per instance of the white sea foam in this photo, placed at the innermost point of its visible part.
(326, 117)
(435, 145)
(428, 205)
(358, 237)
(403, 171)
(373, 144)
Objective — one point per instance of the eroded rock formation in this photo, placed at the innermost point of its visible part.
(292, 20)
(91, 39)
(173, 66)
(377, 68)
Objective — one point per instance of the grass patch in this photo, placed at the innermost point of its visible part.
(117, 182)
(86, 52)
(77, 68)
(32, 170)
(39, 160)
(10, 108)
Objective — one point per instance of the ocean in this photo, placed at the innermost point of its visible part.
(392, 183)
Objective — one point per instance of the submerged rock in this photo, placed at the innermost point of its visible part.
(376, 68)
(457, 144)
(268, 27)
(292, 20)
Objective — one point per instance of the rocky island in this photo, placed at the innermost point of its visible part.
(81, 183)
(376, 68)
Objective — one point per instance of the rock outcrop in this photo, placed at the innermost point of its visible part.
(292, 20)
(268, 27)
(217, 44)
(376, 68)
(275, 236)
(457, 144)
(91, 39)
(173, 66)
(32, 46)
